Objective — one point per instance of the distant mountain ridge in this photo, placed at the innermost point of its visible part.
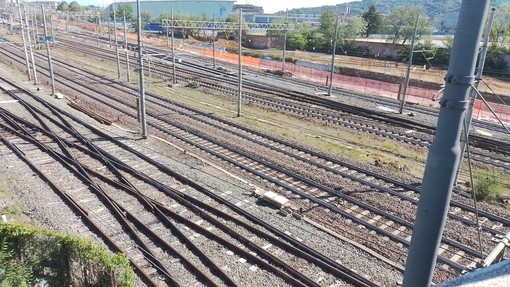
(433, 7)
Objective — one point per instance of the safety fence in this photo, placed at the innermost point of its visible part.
(415, 95)
(319, 74)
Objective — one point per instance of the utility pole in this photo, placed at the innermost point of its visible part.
(240, 80)
(67, 23)
(150, 74)
(116, 43)
(52, 76)
(30, 46)
(333, 58)
(35, 25)
(473, 95)
(29, 73)
(140, 71)
(214, 41)
(52, 31)
(174, 80)
(409, 64)
(126, 47)
(98, 27)
(285, 39)
(167, 30)
(109, 28)
(444, 153)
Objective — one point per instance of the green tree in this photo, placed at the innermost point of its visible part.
(501, 26)
(327, 28)
(373, 20)
(400, 23)
(297, 39)
(351, 28)
(74, 7)
(124, 7)
(63, 6)
(146, 16)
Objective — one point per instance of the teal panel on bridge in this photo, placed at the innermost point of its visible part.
(219, 8)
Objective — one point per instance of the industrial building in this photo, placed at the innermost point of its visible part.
(220, 9)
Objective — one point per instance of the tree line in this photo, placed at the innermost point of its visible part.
(395, 27)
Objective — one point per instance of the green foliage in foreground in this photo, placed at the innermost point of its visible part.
(488, 187)
(27, 253)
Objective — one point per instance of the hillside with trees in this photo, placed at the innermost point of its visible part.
(432, 7)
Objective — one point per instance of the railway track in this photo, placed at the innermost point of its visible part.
(149, 220)
(380, 220)
(297, 84)
(489, 151)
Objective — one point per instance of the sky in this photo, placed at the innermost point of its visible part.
(271, 6)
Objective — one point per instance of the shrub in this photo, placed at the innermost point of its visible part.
(59, 259)
(488, 187)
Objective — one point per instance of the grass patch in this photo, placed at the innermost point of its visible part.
(488, 186)
(13, 209)
(4, 191)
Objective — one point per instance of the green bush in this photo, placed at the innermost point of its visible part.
(488, 187)
(60, 259)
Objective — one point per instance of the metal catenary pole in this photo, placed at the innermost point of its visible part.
(214, 42)
(116, 42)
(25, 50)
(140, 71)
(409, 64)
(126, 48)
(240, 80)
(35, 25)
(444, 152)
(285, 39)
(167, 31)
(50, 64)
(34, 69)
(109, 28)
(52, 31)
(174, 80)
(333, 58)
(98, 27)
(473, 95)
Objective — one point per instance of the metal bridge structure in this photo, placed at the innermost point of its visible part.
(208, 25)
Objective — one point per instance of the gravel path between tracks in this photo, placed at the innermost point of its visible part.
(43, 208)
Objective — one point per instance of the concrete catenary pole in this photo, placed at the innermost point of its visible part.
(444, 152)
(34, 69)
(333, 58)
(50, 64)
(29, 73)
(409, 64)
(126, 48)
(240, 80)
(473, 95)
(285, 39)
(140, 71)
(116, 42)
